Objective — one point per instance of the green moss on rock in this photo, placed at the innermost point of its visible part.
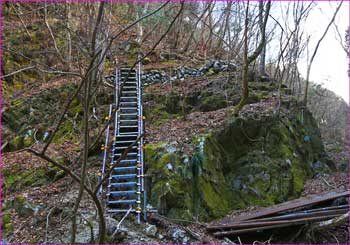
(213, 102)
(249, 162)
(16, 143)
(146, 61)
(172, 103)
(212, 198)
(17, 180)
(40, 111)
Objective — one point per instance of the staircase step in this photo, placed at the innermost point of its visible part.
(128, 154)
(115, 159)
(130, 201)
(126, 67)
(128, 162)
(124, 127)
(128, 114)
(117, 152)
(120, 210)
(125, 147)
(121, 169)
(134, 91)
(122, 193)
(130, 77)
(128, 133)
(129, 126)
(129, 117)
(128, 111)
(131, 97)
(135, 121)
(130, 87)
(128, 102)
(132, 74)
(121, 151)
(128, 108)
(130, 84)
(123, 184)
(129, 92)
(123, 176)
(126, 137)
(123, 136)
(128, 120)
(124, 142)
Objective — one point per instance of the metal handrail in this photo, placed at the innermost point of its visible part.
(116, 87)
(116, 92)
(139, 180)
(105, 151)
(141, 142)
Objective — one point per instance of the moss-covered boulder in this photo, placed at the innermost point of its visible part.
(172, 103)
(251, 161)
(30, 118)
(213, 102)
(15, 179)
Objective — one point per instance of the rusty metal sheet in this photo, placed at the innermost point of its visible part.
(283, 207)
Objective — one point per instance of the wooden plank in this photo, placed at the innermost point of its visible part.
(274, 222)
(238, 232)
(269, 225)
(301, 215)
(283, 207)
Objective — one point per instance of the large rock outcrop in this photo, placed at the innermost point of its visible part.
(261, 158)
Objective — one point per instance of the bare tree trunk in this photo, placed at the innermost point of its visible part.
(315, 52)
(224, 27)
(247, 60)
(178, 31)
(210, 36)
(187, 45)
(140, 27)
(263, 52)
(245, 93)
(52, 35)
(86, 102)
(69, 39)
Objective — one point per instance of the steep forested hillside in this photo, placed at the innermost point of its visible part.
(227, 123)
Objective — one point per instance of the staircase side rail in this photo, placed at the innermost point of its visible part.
(105, 149)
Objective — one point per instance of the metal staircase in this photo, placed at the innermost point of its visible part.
(125, 189)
